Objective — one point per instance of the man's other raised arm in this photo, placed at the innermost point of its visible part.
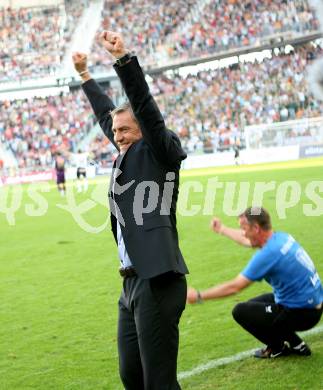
(164, 143)
(101, 104)
(236, 235)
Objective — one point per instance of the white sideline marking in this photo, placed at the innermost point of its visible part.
(234, 358)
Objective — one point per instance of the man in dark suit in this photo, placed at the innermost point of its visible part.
(143, 196)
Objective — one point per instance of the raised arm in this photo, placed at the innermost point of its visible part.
(101, 104)
(236, 235)
(164, 143)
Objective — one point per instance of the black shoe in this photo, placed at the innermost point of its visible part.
(269, 353)
(302, 350)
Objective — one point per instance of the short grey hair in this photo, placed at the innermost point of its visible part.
(124, 107)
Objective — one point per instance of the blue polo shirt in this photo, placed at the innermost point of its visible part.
(286, 266)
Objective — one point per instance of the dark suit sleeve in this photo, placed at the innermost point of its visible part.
(102, 105)
(164, 143)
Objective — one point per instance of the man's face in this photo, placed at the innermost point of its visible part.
(251, 231)
(126, 130)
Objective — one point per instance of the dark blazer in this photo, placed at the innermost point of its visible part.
(149, 178)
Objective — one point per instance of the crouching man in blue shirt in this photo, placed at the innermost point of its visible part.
(296, 301)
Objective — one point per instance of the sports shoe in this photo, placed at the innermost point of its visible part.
(302, 349)
(269, 353)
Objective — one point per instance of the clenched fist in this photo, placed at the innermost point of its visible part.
(80, 61)
(113, 43)
(191, 295)
(216, 225)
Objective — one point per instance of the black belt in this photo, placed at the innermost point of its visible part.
(127, 272)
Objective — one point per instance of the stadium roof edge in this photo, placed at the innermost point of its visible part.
(270, 42)
(273, 41)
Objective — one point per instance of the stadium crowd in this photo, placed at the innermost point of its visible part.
(211, 109)
(33, 40)
(35, 129)
(167, 31)
(208, 110)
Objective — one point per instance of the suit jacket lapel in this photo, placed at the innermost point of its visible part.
(116, 169)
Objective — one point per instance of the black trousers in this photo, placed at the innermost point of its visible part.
(272, 323)
(148, 336)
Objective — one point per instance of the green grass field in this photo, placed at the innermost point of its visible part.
(59, 282)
